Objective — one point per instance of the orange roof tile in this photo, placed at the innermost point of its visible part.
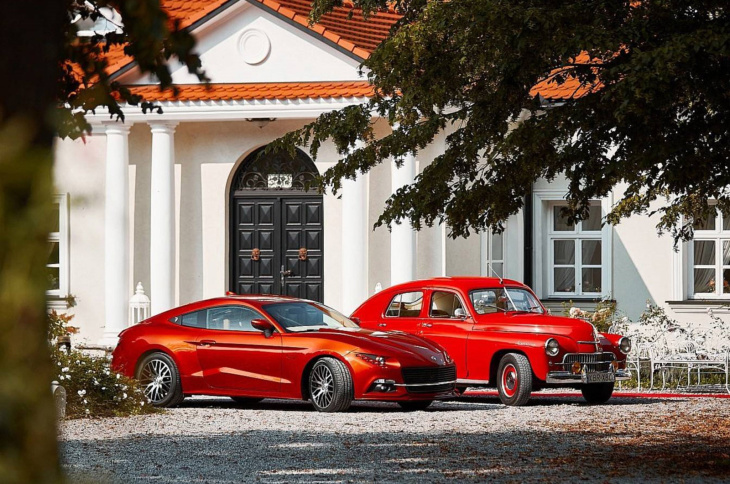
(571, 88)
(257, 91)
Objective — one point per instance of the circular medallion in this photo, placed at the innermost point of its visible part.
(254, 46)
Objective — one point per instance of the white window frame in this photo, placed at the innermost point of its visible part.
(487, 256)
(62, 238)
(543, 202)
(718, 236)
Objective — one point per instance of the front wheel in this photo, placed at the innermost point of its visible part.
(514, 379)
(160, 380)
(330, 386)
(413, 405)
(597, 393)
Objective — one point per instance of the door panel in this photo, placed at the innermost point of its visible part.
(279, 226)
(246, 360)
(449, 332)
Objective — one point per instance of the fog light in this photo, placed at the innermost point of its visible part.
(383, 386)
(576, 367)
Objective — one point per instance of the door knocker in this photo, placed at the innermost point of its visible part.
(255, 254)
(303, 254)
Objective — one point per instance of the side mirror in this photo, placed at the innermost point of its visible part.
(263, 325)
(460, 313)
(355, 320)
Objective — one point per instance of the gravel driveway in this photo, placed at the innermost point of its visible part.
(472, 439)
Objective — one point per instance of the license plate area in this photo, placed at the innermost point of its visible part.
(599, 377)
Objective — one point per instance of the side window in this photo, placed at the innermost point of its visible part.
(444, 304)
(405, 305)
(194, 320)
(231, 318)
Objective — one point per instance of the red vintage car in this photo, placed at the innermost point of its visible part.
(254, 347)
(499, 334)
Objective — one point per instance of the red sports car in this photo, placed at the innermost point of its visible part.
(255, 347)
(499, 334)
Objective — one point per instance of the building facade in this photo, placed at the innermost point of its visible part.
(183, 203)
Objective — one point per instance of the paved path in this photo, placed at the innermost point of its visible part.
(475, 439)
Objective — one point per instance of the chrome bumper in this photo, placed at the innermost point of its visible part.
(568, 377)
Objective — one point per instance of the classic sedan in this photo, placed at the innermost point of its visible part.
(255, 347)
(499, 334)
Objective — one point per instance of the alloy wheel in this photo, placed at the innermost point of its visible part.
(322, 386)
(156, 379)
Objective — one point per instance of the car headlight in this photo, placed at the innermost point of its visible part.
(447, 358)
(624, 344)
(372, 359)
(552, 347)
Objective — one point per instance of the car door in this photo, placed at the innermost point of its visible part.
(234, 355)
(403, 312)
(448, 323)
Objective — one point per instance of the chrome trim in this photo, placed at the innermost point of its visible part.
(466, 380)
(569, 377)
(589, 342)
(545, 347)
(619, 344)
(424, 384)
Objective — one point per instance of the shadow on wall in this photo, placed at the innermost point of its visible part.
(629, 288)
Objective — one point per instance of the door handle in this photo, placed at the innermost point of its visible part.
(382, 325)
(426, 325)
(207, 342)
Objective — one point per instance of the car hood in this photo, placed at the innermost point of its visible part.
(575, 329)
(406, 348)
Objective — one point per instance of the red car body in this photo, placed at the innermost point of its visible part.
(276, 364)
(478, 343)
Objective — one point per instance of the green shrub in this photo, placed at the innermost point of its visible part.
(92, 388)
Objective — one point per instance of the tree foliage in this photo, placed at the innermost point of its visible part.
(46, 64)
(651, 111)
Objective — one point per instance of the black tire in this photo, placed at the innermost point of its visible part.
(160, 380)
(246, 400)
(514, 379)
(597, 393)
(330, 386)
(460, 390)
(413, 405)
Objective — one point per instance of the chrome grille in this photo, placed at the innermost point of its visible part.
(430, 379)
(592, 361)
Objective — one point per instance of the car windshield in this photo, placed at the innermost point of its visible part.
(503, 299)
(306, 316)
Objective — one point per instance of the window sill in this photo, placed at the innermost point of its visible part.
(58, 302)
(698, 306)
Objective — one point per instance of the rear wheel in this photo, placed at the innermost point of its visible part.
(246, 400)
(330, 386)
(597, 393)
(413, 405)
(160, 380)
(514, 379)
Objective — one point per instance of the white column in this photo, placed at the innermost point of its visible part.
(162, 218)
(116, 233)
(402, 235)
(354, 243)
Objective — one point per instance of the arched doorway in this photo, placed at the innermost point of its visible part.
(277, 227)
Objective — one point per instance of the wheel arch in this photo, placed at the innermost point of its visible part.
(497, 357)
(152, 350)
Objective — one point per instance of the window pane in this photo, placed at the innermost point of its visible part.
(443, 304)
(704, 252)
(592, 280)
(498, 267)
(497, 246)
(53, 284)
(591, 252)
(726, 281)
(53, 257)
(564, 252)
(560, 222)
(55, 218)
(726, 252)
(406, 305)
(726, 222)
(564, 279)
(704, 280)
(239, 319)
(193, 319)
(593, 222)
(707, 223)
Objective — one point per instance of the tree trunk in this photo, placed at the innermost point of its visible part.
(31, 36)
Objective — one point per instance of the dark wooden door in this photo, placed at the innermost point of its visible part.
(279, 226)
